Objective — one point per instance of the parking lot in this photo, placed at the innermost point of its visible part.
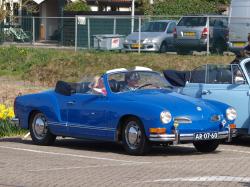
(73, 162)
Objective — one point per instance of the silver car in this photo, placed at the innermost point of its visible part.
(156, 36)
(191, 33)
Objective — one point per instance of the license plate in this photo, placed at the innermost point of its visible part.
(206, 136)
(135, 45)
(189, 33)
(239, 44)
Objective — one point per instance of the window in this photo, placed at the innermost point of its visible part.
(218, 74)
(198, 75)
(154, 27)
(193, 21)
(171, 28)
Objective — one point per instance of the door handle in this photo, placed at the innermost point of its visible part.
(206, 92)
(71, 102)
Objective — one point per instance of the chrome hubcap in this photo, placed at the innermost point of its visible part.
(39, 126)
(133, 135)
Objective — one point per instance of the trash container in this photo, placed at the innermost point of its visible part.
(108, 41)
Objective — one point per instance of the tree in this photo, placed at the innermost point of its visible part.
(76, 6)
(2, 12)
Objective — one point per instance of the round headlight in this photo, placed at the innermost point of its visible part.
(231, 114)
(166, 117)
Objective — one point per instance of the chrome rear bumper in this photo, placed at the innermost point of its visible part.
(177, 138)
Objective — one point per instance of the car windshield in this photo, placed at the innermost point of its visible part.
(136, 80)
(154, 27)
(192, 21)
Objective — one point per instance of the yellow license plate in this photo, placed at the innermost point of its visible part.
(239, 44)
(189, 33)
(135, 45)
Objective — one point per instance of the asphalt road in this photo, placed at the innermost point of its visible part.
(73, 162)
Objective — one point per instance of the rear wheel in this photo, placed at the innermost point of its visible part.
(206, 146)
(219, 46)
(182, 51)
(133, 137)
(39, 130)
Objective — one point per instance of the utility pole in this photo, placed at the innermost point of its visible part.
(132, 16)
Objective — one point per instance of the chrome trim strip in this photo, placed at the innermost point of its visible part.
(80, 126)
(183, 137)
(92, 127)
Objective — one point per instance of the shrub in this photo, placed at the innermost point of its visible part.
(77, 6)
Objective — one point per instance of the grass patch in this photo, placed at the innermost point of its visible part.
(49, 65)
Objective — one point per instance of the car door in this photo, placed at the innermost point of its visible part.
(87, 115)
(219, 84)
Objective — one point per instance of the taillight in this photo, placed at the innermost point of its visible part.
(175, 33)
(204, 33)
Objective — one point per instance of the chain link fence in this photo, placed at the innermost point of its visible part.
(181, 34)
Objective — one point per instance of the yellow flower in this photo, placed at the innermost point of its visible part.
(6, 113)
(2, 107)
(10, 113)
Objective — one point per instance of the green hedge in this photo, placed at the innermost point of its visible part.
(181, 7)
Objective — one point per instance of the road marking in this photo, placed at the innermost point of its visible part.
(200, 179)
(72, 155)
(86, 167)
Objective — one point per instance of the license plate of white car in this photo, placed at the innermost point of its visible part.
(206, 136)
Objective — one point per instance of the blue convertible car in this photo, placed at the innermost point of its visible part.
(134, 107)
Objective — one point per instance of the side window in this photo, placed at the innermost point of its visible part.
(171, 28)
(219, 74)
(238, 75)
(224, 74)
(247, 66)
(198, 75)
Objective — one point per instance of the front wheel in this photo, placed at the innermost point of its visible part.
(206, 146)
(133, 137)
(163, 48)
(39, 130)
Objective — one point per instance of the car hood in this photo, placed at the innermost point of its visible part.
(144, 35)
(177, 104)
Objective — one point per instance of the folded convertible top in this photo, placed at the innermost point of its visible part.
(177, 78)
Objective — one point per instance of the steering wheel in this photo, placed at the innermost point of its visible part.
(144, 85)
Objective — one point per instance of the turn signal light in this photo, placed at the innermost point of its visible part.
(157, 130)
(232, 126)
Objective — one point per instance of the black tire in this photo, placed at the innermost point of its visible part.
(206, 146)
(40, 133)
(182, 51)
(219, 46)
(141, 146)
(163, 48)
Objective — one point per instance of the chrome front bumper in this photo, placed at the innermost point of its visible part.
(177, 138)
(15, 122)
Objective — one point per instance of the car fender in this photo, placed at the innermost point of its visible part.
(46, 103)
